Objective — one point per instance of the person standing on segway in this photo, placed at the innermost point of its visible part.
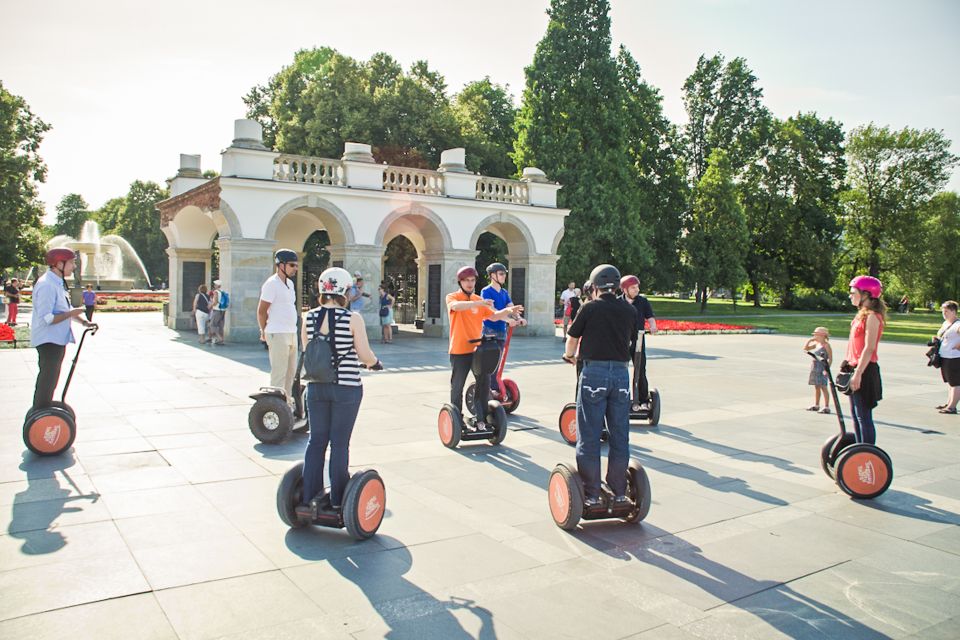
(603, 328)
(497, 273)
(630, 286)
(332, 407)
(866, 387)
(467, 311)
(50, 330)
(277, 317)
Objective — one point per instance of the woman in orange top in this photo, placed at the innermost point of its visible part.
(865, 384)
(467, 311)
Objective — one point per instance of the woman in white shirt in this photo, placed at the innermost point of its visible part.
(949, 335)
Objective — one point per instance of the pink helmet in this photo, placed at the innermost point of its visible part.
(466, 272)
(869, 284)
(629, 281)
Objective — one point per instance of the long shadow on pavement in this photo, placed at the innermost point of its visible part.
(911, 506)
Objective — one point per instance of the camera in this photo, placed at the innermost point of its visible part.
(934, 342)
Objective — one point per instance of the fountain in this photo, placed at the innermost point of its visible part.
(108, 262)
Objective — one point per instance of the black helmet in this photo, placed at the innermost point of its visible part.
(496, 266)
(605, 277)
(284, 256)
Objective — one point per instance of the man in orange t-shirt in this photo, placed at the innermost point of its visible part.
(467, 312)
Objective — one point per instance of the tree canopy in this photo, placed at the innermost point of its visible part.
(72, 212)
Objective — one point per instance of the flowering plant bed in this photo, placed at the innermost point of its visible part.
(694, 327)
(127, 307)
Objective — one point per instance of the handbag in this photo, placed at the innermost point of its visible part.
(320, 358)
(933, 354)
(842, 381)
(384, 311)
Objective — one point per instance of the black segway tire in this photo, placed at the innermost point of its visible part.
(289, 494)
(497, 417)
(565, 495)
(640, 485)
(568, 423)
(364, 504)
(270, 419)
(827, 462)
(470, 396)
(864, 471)
(654, 418)
(450, 426)
(513, 393)
(49, 431)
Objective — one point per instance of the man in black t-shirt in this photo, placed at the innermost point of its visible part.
(603, 328)
(630, 286)
(12, 289)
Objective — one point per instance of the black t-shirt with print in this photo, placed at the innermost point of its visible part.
(604, 327)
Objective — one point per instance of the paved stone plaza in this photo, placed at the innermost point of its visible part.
(162, 524)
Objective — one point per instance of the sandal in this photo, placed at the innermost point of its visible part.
(949, 411)
(940, 406)
(813, 408)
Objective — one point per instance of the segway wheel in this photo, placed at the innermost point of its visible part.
(364, 504)
(450, 426)
(568, 423)
(497, 416)
(864, 471)
(828, 462)
(470, 397)
(289, 494)
(270, 419)
(513, 394)
(565, 493)
(49, 431)
(654, 418)
(640, 485)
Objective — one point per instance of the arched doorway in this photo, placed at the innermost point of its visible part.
(316, 258)
(401, 278)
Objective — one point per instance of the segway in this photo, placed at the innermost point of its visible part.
(364, 503)
(568, 415)
(507, 392)
(51, 430)
(643, 408)
(452, 426)
(271, 419)
(566, 497)
(861, 470)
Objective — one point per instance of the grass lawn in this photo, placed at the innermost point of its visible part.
(915, 327)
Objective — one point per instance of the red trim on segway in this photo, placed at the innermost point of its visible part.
(568, 423)
(559, 498)
(445, 426)
(372, 505)
(864, 473)
(50, 433)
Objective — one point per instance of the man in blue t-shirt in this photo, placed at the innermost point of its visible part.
(497, 273)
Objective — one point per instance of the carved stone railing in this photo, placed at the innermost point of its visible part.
(503, 190)
(308, 169)
(421, 181)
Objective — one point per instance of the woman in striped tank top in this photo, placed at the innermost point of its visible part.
(333, 407)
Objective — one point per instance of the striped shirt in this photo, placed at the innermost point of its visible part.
(348, 373)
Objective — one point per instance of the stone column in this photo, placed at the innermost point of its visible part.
(450, 261)
(182, 292)
(539, 283)
(368, 260)
(244, 266)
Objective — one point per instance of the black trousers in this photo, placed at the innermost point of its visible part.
(641, 388)
(88, 309)
(49, 358)
(461, 364)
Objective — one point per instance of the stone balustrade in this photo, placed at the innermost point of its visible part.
(307, 169)
(422, 181)
(502, 190)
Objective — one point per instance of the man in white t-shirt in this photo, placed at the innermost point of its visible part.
(277, 317)
(356, 296)
(565, 296)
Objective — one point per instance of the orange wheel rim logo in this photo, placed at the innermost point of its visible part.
(864, 473)
(559, 498)
(373, 500)
(445, 426)
(570, 425)
(49, 433)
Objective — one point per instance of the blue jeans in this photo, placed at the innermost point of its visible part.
(862, 419)
(604, 395)
(332, 411)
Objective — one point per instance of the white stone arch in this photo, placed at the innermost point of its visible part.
(555, 247)
(333, 219)
(511, 230)
(227, 222)
(414, 218)
(191, 228)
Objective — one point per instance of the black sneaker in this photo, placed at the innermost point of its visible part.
(621, 500)
(592, 503)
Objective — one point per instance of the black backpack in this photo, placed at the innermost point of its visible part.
(320, 360)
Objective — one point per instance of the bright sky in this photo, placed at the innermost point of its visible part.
(127, 86)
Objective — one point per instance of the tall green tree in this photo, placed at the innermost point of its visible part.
(894, 174)
(72, 212)
(792, 203)
(21, 168)
(485, 113)
(572, 126)
(717, 244)
(661, 178)
(937, 276)
(139, 224)
(108, 216)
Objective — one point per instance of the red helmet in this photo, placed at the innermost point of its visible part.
(628, 281)
(60, 254)
(466, 272)
(868, 284)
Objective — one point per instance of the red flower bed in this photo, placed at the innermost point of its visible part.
(6, 333)
(684, 326)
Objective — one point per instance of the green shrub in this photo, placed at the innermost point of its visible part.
(817, 301)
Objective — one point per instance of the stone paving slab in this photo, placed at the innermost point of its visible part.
(161, 523)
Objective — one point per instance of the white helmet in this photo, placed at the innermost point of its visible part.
(334, 282)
